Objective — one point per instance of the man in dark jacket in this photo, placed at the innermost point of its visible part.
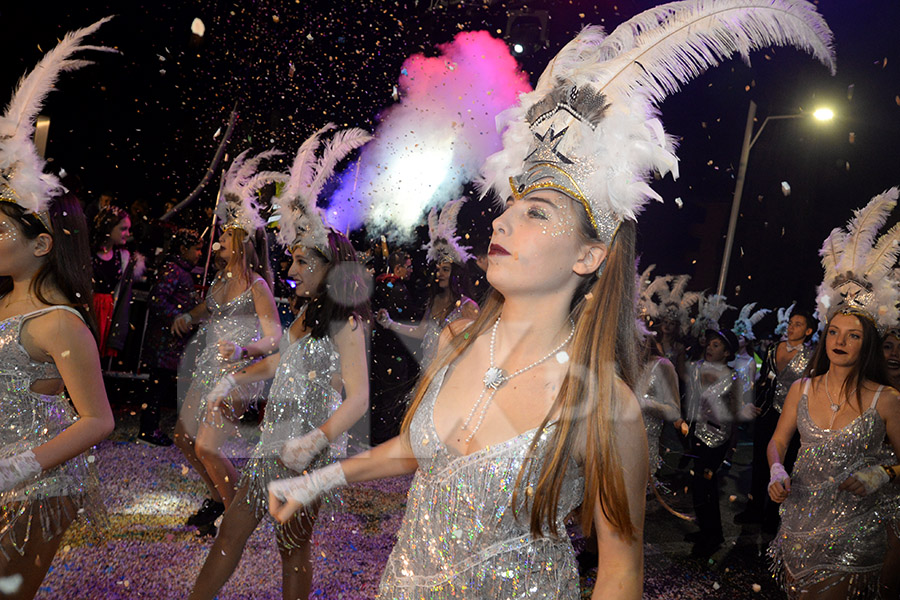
(173, 293)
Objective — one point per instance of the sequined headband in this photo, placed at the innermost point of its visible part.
(42, 216)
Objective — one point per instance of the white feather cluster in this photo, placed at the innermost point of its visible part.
(784, 317)
(238, 205)
(710, 309)
(637, 66)
(22, 177)
(301, 220)
(743, 325)
(858, 266)
(666, 298)
(443, 242)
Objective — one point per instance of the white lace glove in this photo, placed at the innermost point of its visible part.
(779, 482)
(221, 391)
(867, 480)
(230, 351)
(16, 469)
(287, 496)
(298, 452)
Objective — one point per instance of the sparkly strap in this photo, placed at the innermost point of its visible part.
(877, 394)
(806, 387)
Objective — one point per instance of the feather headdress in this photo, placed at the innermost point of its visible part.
(238, 207)
(743, 325)
(590, 128)
(22, 178)
(443, 243)
(857, 266)
(302, 221)
(784, 317)
(710, 309)
(665, 299)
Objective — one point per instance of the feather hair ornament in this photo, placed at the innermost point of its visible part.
(857, 266)
(743, 325)
(665, 299)
(590, 129)
(710, 309)
(22, 178)
(238, 207)
(784, 317)
(443, 243)
(302, 222)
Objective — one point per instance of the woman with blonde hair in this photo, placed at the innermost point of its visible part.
(527, 412)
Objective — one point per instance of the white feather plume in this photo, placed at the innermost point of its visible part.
(238, 204)
(743, 325)
(784, 316)
(444, 243)
(22, 179)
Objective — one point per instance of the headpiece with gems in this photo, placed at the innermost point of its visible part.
(665, 298)
(443, 244)
(238, 208)
(302, 222)
(710, 309)
(784, 317)
(857, 267)
(590, 128)
(22, 178)
(743, 325)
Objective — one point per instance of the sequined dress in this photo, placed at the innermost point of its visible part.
(433, 329)
(301, 398)
(660, 402)
(829, 535)
(238, 322)
(459, 538)
(30, 420)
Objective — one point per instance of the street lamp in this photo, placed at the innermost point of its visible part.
(820, 114)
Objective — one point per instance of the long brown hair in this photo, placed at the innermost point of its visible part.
(871, 364)
(68, 264)
(602, 351)
(252, 254)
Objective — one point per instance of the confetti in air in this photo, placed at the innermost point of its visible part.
(198, 28)
(434, 140)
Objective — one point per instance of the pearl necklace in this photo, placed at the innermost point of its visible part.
(834, 407)
(495, 378)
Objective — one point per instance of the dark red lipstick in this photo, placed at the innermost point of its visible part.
(497, 249)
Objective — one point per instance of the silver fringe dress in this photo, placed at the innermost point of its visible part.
(460, 538)
(433, 329)
(301, 399)
(30, 419)
(829, 536)
(238, 322)
(660, 402)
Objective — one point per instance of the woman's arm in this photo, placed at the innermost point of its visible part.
(63, 337)
(350, 340)
(267, 311)
(412, 331)
(784, 431)
(183, 323)
(621, 571)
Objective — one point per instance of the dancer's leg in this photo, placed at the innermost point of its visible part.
(239, 522)
(296, 566)
(185, 438)
(39, 553)
(213, 433)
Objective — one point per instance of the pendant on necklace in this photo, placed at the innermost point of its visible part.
(494, 378)
(835, 407)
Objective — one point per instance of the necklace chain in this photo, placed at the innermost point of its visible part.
(495, 378)
(835, 407)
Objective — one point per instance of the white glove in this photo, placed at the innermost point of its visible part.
(777, 473)
(287, 496)
(298, 452)
(230, 351)
(16, 469)
(872, 478)
(221, 390)
(384, 318)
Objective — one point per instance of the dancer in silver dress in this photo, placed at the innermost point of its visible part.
(53, 403)
(242, 324)
(552, 425)
(324, 352)
(447, 301)
(657, 392)
(833, 535)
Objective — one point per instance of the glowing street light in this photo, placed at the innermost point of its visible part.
(820, 114)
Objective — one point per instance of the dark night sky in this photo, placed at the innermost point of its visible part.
(141, 124)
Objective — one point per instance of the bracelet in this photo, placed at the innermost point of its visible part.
(187, 317)
(242, 353)
(890, 472)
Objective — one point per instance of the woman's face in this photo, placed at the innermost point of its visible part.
(537, 245)
(442, 275)
(308, 270)
(226, 245)
(15, 252)
(843, 340)
(121, 233)
(891, 347)
(668, 327)
(797, 329)
(716, 351)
